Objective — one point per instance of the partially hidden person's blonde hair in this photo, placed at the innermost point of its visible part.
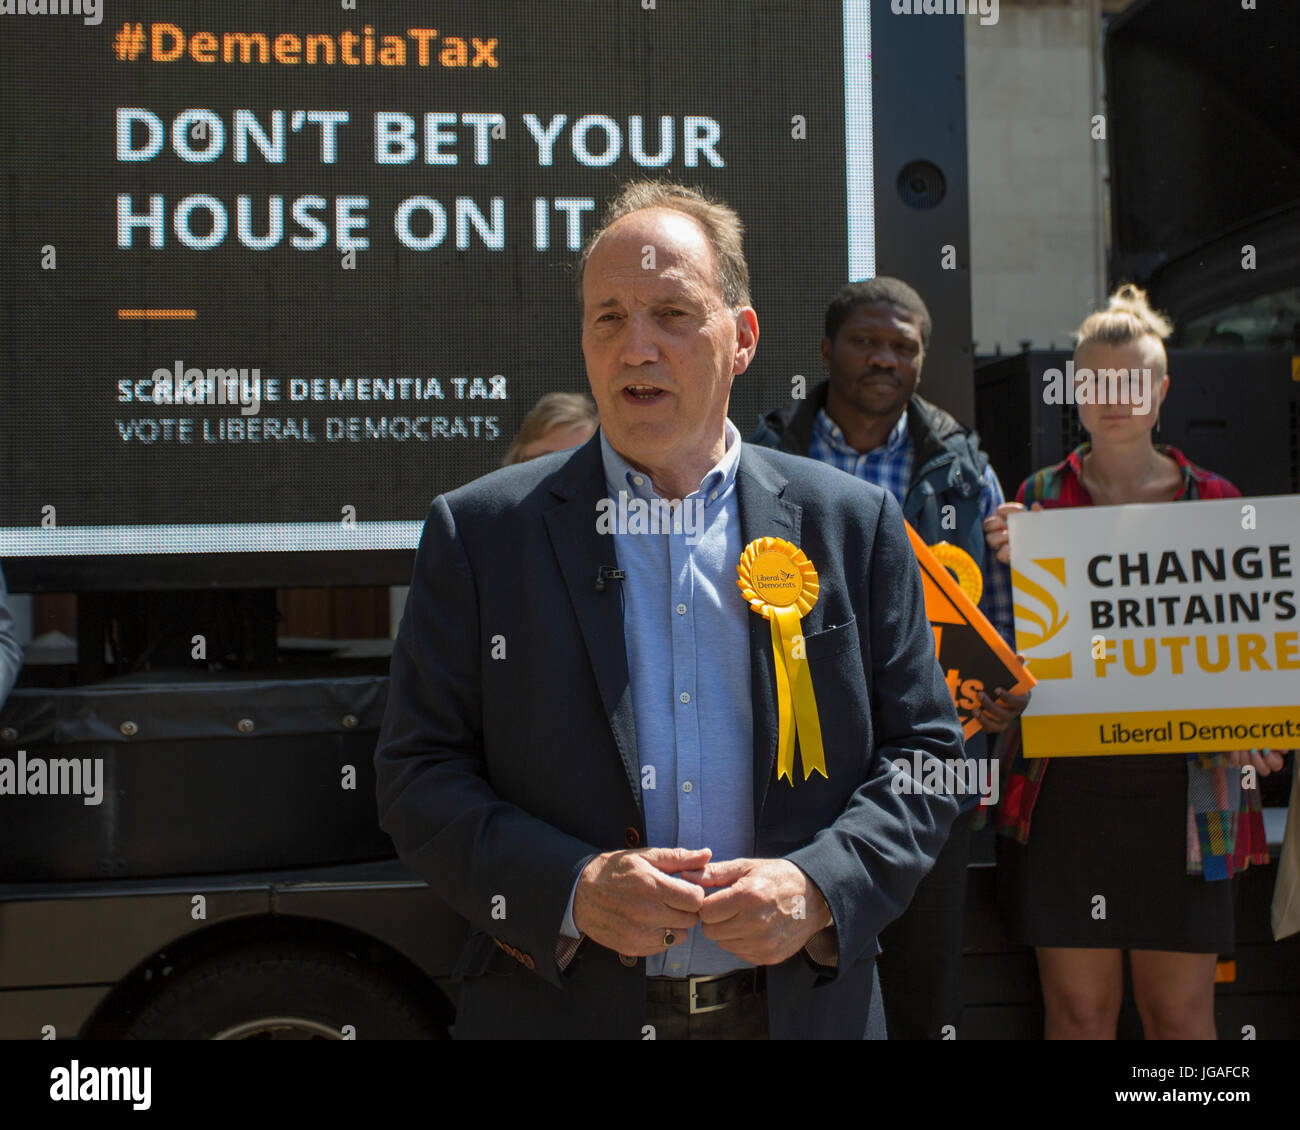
(554, 410)
(1127, 318)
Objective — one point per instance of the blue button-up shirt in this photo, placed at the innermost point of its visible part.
(890, 466)
(686, 632)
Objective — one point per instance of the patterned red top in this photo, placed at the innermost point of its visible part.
(1225, 822)
(1062, 485)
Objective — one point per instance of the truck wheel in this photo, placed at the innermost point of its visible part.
(284, 993)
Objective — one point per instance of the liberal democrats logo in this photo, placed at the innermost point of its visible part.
(1038, 613)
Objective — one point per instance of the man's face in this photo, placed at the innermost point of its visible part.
(660, 344)
(875, 359)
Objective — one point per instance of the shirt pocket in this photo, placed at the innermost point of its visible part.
(843, 703)
(832, 641)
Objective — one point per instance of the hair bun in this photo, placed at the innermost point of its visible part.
(1131, 299)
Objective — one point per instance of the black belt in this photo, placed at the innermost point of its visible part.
(705, 994)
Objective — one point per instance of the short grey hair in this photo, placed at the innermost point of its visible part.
(721, 224)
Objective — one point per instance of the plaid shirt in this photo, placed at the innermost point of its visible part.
(1225, 823)
(890, 467)
(1062, 485)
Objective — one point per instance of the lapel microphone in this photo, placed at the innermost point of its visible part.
(608, 573)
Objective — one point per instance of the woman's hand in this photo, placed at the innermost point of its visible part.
(996, 533)
(1265, 761)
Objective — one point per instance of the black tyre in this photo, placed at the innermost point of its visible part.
(284, 992)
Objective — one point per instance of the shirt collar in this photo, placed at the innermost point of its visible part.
(833, 436)
(622, 477)
(1073, 464)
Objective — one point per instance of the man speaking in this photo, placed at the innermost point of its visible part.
(649, 759)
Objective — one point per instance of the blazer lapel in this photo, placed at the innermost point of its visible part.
(581, 550)
(763, 513)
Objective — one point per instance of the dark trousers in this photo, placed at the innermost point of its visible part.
(920, 962)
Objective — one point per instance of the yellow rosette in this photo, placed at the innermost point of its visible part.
(962, 566)
(780, 584)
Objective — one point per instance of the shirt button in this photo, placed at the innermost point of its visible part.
(713, 495)
(681, 610)
(638, 480)
(687, 786)
(685, 696)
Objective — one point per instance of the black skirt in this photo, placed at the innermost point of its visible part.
(1106, 862)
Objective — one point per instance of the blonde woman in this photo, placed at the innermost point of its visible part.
(558, 421)
(1134, 829)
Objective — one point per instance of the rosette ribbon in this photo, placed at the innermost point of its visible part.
(962, 566)
(780, 584)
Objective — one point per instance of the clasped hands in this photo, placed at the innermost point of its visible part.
(761, 910)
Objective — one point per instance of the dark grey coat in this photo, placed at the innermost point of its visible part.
(501, 776)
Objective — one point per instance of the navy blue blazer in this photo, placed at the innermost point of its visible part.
(508, 752)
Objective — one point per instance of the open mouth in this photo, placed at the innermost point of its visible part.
(644, 394)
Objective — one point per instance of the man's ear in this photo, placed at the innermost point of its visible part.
(746, 339)
(826, 353)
